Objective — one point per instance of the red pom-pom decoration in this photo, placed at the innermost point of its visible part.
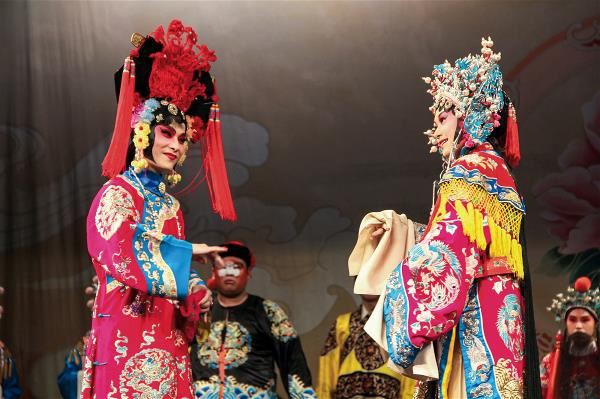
(582, 284)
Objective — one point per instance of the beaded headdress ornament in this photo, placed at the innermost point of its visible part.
(580, 295)
(473, 88)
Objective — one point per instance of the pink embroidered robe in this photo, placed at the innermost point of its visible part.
(456, 286)
(135, 237)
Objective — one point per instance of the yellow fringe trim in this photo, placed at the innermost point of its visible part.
(502, 219)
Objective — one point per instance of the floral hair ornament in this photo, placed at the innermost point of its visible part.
(473, 87)
(170, 67)
(579, 296)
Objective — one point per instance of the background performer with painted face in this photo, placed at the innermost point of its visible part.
(572, 370)
(235, 358)
(464, 285)
(149, 301)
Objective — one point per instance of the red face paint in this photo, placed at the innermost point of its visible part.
(229, 284)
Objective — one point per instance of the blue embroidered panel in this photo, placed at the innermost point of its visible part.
(395, 311)
(489, 184)
(477, 358)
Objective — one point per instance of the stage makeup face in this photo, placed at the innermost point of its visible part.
(445, 123)
(232, 276)
(580, 320)
(169, 146)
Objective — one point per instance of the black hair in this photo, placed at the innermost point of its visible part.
(498, 136)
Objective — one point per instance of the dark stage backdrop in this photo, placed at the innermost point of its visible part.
(324, 109)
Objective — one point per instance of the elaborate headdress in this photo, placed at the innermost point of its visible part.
(579, 296)
(473, 86)
(167, 75)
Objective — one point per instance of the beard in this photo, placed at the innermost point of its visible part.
(581, 343)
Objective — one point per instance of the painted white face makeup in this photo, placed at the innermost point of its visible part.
(445, 123)
(229, 269)
(169, 146)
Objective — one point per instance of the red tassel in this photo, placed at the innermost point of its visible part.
(216, 172)
(552, 383)
(512, 151)
(114, 161)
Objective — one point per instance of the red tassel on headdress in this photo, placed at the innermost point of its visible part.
(512, 148)
(214, 165)
(114, 161)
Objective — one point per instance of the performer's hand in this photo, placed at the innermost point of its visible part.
(378, 232)
(206, 302)
(202, 252)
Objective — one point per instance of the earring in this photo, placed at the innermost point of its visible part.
(139, 163)
(173, 178)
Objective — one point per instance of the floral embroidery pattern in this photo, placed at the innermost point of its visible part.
(116, 206)
(475, 159)
(281, 326)
(140, 305)
(238, 343)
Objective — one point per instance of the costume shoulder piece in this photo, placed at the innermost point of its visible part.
(489, 172)
(482, 181)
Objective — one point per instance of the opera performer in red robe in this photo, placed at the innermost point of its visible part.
(149, 298)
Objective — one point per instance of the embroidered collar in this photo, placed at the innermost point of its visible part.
(152, 181)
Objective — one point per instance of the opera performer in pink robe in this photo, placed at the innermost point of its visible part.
(464, 287)
(149, 299)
